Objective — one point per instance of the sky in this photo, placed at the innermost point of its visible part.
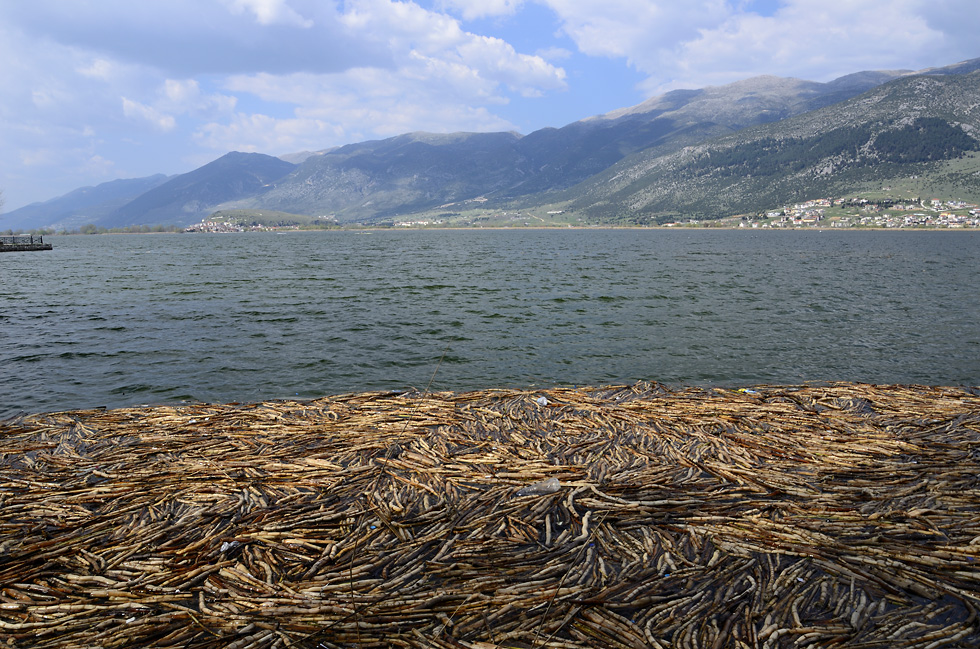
(97, 90)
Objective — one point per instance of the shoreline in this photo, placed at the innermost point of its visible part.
(635, 515)
(284, 230)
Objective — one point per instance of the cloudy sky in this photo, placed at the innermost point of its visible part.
(94, 90)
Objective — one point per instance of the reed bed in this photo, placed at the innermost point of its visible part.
(626, 516)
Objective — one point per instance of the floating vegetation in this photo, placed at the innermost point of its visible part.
(637, 516)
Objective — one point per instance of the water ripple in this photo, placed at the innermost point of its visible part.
(121, 320)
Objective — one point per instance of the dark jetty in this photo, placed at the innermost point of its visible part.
(23, 243)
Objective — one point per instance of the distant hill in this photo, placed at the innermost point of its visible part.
(563, 157)
(369, 180)
(420, 171)
(920, 128)
(301, 156)
(189, 197)
(81, 206)
(704, 153)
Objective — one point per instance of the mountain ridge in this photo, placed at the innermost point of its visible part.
(82, 205)
(608, 166)
(191, 196)
(840, 152)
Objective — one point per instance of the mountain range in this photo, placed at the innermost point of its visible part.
(708, 153)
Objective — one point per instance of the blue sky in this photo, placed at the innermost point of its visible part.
(95, 90)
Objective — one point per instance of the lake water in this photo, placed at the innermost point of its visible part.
(132, 319)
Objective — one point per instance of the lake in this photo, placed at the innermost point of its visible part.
(119, 320)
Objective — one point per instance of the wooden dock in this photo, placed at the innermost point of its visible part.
(23, 243)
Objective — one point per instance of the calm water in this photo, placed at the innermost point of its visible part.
(123, 320)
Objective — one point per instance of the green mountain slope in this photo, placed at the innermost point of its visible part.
(560, 158)
(420, 171)
(406, 173)
(917, 126)
(81, 206)
(189, 197)
(743, 147)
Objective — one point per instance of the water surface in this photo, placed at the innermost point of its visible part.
(130, 319)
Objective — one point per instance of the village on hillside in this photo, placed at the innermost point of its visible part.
(870, 213)
(219, 227)
(857, 213)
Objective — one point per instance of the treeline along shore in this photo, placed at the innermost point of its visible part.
(626, 516)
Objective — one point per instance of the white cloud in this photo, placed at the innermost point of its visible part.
(442, 79)
(78, 163)
(957, 20)
(473, 9)
(365, 103)
(269, 12)
(100, 69)
(49, 97)
(634, 29)
(38, 157)
(392, 62)
(497, 60)
(186, 38)
(413, 35)
(403, 26)
(554, 53)
(347, 120)
(265, 134)
(118, 86)
(98, 167)
(812, 39)
(136, 110)
(185, 96)
(181, 92)
(711, 42)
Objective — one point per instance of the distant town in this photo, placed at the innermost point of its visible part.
(853, 213)
(868, 213)
(219, 226)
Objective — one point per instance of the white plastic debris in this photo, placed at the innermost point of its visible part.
(541, 401)
(549, 486)
(229, 545)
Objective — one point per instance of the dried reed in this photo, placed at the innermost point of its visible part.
(629, 516)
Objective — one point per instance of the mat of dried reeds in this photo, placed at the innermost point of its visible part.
(630, 516)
